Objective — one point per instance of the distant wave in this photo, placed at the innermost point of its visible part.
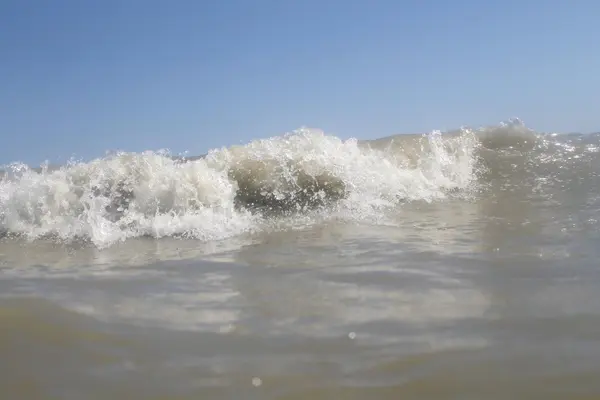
(239, 189)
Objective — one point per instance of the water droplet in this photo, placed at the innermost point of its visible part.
(256, 382)
(352, 335)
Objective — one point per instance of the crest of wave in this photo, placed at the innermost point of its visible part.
(308, 162)
(229, 191)
(126, 195)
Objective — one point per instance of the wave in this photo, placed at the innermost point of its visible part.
(229, 191)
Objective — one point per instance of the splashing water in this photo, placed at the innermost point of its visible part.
(241, 189)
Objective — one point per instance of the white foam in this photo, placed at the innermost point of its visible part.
(130, 195)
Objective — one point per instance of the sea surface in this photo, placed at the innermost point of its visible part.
(449, 265)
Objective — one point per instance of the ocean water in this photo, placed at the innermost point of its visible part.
(461, 265)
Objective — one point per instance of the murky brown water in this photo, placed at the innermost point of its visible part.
(488, 296)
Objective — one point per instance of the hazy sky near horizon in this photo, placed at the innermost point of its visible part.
(80, 77)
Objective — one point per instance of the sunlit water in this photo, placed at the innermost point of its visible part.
(456, 268)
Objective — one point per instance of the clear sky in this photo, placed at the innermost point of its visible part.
(80, 77)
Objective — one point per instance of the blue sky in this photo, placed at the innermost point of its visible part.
(80, 77)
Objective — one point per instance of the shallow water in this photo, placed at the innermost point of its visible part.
(490, 294)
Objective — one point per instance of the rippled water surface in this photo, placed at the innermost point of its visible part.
(486, 288)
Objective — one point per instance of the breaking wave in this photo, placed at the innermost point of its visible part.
(304, 175)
